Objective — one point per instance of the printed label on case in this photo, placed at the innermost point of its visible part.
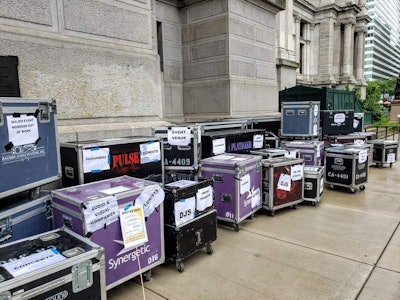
(184, 210)
(284, 182)
(96, 159)
(179, 136)
(22, 130)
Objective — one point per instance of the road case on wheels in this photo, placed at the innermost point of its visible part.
(88, 161)
(313, 183)
(94, 210)
(237, 185)
(384, 152)
(22, 217)
(29, 151)
(181, 147)
(311, 151)
(346, 166)
(283, 181)
(334, 122)
(57, 264)
(300, 119)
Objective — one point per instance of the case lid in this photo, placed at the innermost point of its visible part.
(232, 159)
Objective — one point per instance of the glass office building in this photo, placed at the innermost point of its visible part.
(382, 43)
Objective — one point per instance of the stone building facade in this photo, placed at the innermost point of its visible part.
(323, 40)
(121, 67)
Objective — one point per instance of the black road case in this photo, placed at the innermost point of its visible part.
(313, 183)
(384, 152)
(335, 122)
(191, 237)
(89, 161)
(346, 166)
(58, 264)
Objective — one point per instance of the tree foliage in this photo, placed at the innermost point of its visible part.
(373, 92)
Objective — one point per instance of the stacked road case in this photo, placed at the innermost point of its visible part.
(237, 185)
(55, 265)
(190, 218)
(92, 210)
(283, 182)
(21, 217)
(29, 152)
(312, 152)
(89, 161)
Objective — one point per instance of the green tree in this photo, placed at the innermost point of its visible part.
(373, 91)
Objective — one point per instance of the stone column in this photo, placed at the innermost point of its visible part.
(337, 51)
(360, 50)
(297, 34)
(348, 49)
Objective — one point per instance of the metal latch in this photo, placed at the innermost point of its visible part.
(5, 228)
(198, 236)
(82, 276)
(44, 112)
(308, 186)
(5, 295)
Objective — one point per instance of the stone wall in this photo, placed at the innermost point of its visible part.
(96, 58)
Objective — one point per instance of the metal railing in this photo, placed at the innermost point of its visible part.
(385, 132)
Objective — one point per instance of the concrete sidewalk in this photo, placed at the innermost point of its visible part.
(346, 247)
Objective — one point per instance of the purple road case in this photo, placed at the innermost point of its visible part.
(283, 182)
(384, 152)
(231, 141)
(181, 147)
(311, 151)
(334, 122)
(237, 185)
(62, 265)
(350, 138)
(121, 265)
(29, 145)
(84, 162)
(271, 152)
(21, 217)
(346, 166)
(313, 183)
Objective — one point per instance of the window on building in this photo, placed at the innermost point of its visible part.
(301, 62)
(160, 45)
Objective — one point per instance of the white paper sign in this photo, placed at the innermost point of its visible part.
(296, 172)
(22, 130)
(204, 198)
(258, 141)
(291, 154)
(245, 184)
(179, 136)
(150, 152)
(360, 142)
(184, 210)
(362, 156)
(33, 262)
(133, 226)
(284, 182)
(96, 160)
(355, 123)
(339, 118)
(115, 190)
(256, 198)
(391, 157)
(150, 198)
(100, 212)
(218, 146)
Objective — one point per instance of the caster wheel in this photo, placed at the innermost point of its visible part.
(147, 276)
(362, 187)
(251, 217)
(272, 213)
(353, 190)
(294, 206)
(34, 193)
(331, 186)
(180, 266)
(209, 249)
(313, 203)
(236, 227)
(391, 164)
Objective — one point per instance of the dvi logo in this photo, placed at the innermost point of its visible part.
(339, 161)
(60, 296)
